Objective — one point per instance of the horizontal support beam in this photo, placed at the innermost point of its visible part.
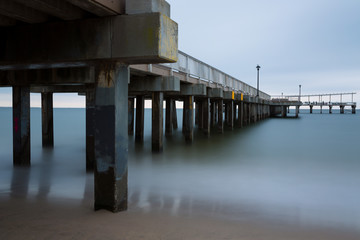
(193, 90)
(101, 8)
(47, 76)
(215, 93)
(143, 38)
(20, 12)
(147, 6)
(154, 84)
(59, 89)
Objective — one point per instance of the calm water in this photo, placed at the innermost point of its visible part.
(303, 171)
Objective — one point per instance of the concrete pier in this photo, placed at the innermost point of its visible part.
(47, 119)
(90, 128)
(139, 125)
(174, 116)
(131, 111)
(220, 116)
(206, 116)
(169, 117)
(111, 134)
(188, 119)
(21, 125)
(157, 121)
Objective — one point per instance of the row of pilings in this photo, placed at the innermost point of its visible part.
(207, 114)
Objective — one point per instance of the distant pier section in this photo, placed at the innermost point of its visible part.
(328, 100)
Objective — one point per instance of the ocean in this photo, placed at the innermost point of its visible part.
(301, 171)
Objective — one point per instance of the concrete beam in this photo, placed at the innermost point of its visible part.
(59, 89)
(20, 12)
(48, 76)
(215, 93)
(229, 95)
(101, 8)
(147, 6)
(60, 9)
(154, 84)
(192, 90)
(143, 38)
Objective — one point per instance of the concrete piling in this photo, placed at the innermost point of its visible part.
(188, 120)
(169, 117)
(139, 125)
(90, 139)
(206, 116)
(47, 119)
(174, 116)
(157, 121)
(220, 116)
(21, 125)
(131, 116)
(111, 134)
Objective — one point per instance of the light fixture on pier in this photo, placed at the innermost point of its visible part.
(258, 70)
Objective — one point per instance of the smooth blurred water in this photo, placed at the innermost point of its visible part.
(303, 171)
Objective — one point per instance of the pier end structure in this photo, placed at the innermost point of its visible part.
(94, 54)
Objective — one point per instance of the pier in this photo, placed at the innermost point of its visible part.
(329, 100)
(116, 53)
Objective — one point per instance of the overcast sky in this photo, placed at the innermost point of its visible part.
(315, 43)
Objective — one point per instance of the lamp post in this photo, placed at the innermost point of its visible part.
(258, 70)
(299, 93)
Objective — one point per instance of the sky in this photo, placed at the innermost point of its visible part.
(313, 43)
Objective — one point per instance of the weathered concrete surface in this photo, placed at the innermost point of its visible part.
(188, 119)
(21, 125)
(131, 111)
(47, 119)
(111, 137)
(147, 6)
(157, 121)
(169, 116)
(206, 116)
(215, 93)
(154, 84)
(139, 38)
(63, 76)
(220, 116)
(139, 129)
(174, 116)
(192, 90)
(90, 138)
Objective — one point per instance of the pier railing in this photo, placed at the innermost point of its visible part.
(198, 69)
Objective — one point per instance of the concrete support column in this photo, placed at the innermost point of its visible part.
(231, 114)
(220, 116)
(297, 111)
(320, 109)
(200, 114)
(188, 120)
(47, 119)
(226, 113)
(139, 125)
(245, 114)
(206, 116)
(213, 114)
(283, 111)
(311, 109)
(353, 109)
(174, 115)
(235, 113)
(342, 109)
(168, 117)
(241, 114)
(330, 109)
(131, 116)
(90, 131)
(111, 134)
(157, 121)
(21, 126)
(255, 112)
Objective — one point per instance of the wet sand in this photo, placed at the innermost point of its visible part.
(69, 219)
